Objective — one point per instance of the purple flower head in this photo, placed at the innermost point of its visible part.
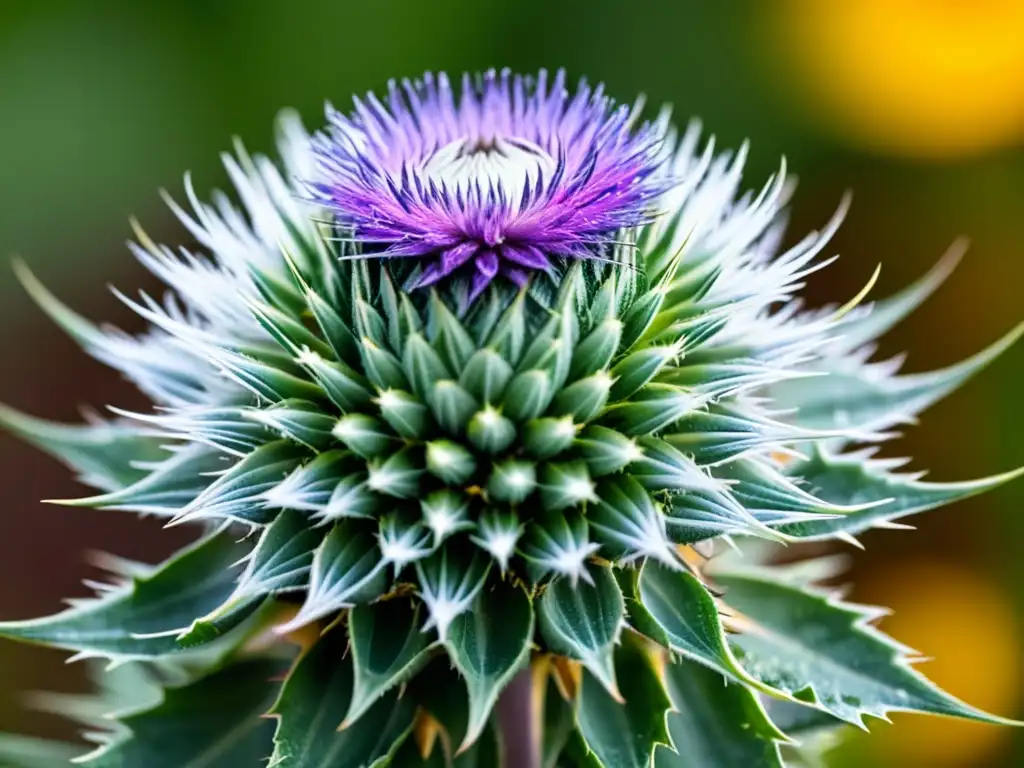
(495, 181)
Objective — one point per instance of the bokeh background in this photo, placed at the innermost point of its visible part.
(917, 106)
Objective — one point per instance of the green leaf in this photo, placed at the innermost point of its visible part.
(766, 492)
(105, 456)
(489, 431)
(662, 467)
(283, 557)
(697, 514)
(866, 401)
(26, 752)
(543, 438)
(405, 413)
(720, 432)
(652, 409)
(364, 435)
(216, 720)
(450, 462)
(565, 484)
(638, 368)
(263, 379)
(508, 337)
(449, 336)
(388, 647)
(497, 533)
(486, 752)
(346, 388)
(511, 481)
(824, 652)
(559, 543)
(382, 368)
(334, 328)
(141, 619)
(488, 645)
(402, 317)
(485, 376)
(403, 539)
(423, 366)
(446, 512)
(449, 583)
(627, 523)
(440, 691)
(233, 430)
(310, 486)
(347, 570)
(625, 735)
(855, 480)
(166, 490)
(297, 420)
(313, 703)
(239, 493)
(291, 334)
(527, 395)
(451, 405)
(583, 622)
(352, 498)
(606, 451)
(716, 724)
(583, 399)
(280, 563)
(674, 607)
(399, 474)
(639, 316)
(367, 320)
(596, 351)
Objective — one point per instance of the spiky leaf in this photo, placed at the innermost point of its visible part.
(716, 724)
(220, 713)
(854, 480)
(347, 570)
(675, 609)
(142, 618)
(824, 652)
(625, 734)
(449, 583)
(312, 705)
(488, 645)
(867, 402)
(105, 456)
(583, 622)
(388, 647)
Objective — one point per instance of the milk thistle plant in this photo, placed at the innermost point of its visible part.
(488, 382)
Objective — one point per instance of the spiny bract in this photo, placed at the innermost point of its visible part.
(430, 490)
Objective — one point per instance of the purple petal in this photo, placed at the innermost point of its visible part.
(480, 282)
(526, 256)
(487, 263)
(520, 277)
(430, 275)
(455, 257)
(385, 172)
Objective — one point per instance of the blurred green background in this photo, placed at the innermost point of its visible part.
(917, 106)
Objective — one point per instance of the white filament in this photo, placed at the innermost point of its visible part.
(463, 164)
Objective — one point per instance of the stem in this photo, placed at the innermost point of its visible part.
(515, 721)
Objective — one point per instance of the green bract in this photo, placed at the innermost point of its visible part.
(428, 497)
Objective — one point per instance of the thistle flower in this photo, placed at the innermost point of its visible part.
(515, 174)
(431, 479)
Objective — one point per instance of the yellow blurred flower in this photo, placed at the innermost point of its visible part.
(966, 625)
(918, 77)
